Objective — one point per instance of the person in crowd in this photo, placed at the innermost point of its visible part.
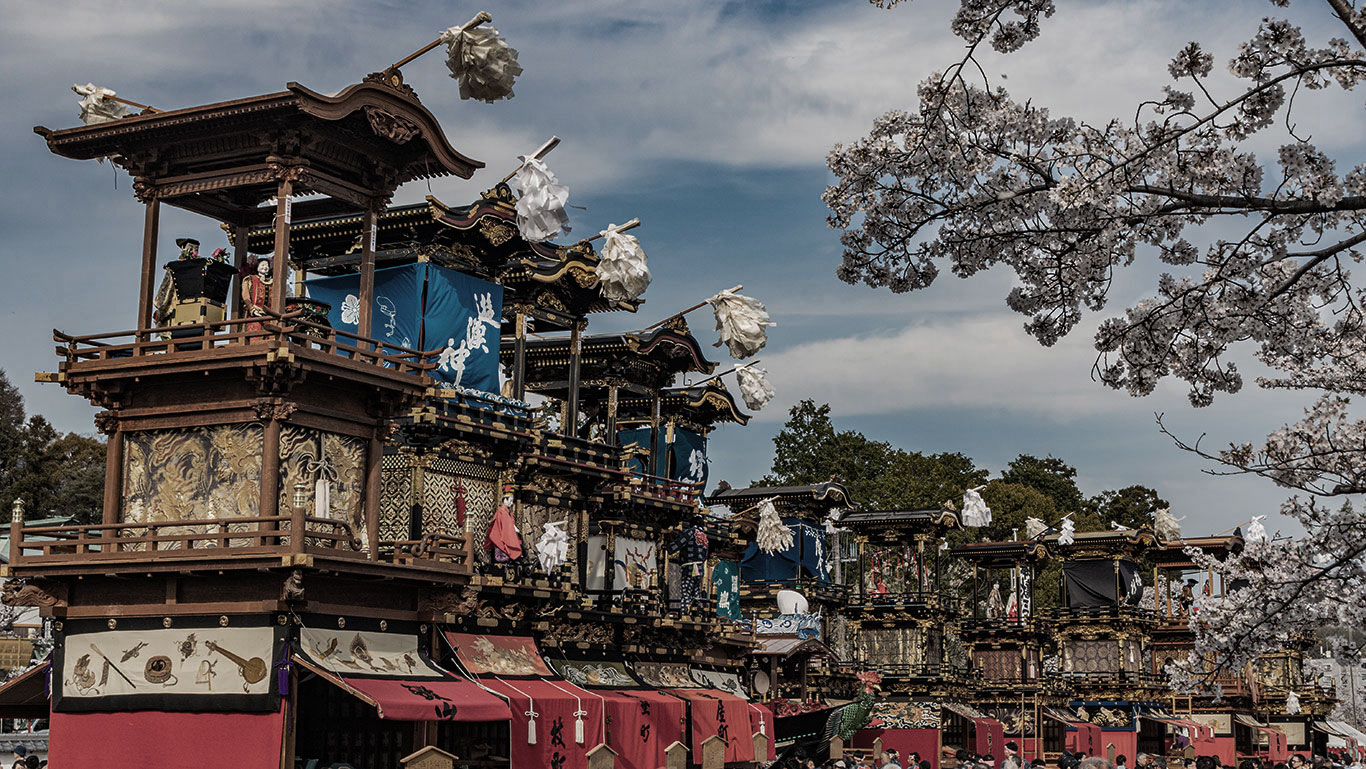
(20, 756)
(891, 760)
(1095, 762)
(1121, 761)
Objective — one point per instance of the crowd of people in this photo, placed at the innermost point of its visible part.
(962, 759)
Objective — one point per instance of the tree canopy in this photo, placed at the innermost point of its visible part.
(1255, 253)
(878, 475)
(53, 473)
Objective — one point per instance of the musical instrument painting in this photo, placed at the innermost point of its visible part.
(253, 670)
(158, 662)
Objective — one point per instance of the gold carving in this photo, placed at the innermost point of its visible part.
(496, 231)
(395, 128)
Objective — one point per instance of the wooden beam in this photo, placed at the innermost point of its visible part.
(367, 269)
(571, 424)
(280, 271)
(150, 231)
(113, 477)
(372, 488)
(239, 260)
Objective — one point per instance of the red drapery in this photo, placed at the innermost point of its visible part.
(423, 699)
(554, 703)
(761, 720)
(135, 740)
(643, 723)
(716, 713)
(990, 738)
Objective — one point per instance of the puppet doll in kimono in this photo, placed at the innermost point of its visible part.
(692, 548)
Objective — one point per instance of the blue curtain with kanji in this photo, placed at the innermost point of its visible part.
(422, 305)
(463, 317)
(807, 554)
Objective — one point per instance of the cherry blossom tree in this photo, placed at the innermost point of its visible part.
(973, 177)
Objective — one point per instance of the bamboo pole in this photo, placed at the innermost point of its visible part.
(631, 225)
(132, 103)
(690, 309)
(730, 370)
(545, 149)
(482, 17)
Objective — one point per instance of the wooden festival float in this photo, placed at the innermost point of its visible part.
(330, 536)
(1008, 636)
(1266, 711)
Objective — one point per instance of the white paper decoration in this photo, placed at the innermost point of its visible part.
(540, 202)
(1165, 525)
(1068, 529)
(1292, 704)
(97, 107)
(742, 321)
(754, 387)
(975, 510)
(622, 272)
(1256, 532)
(774, 536)
(1034, 527)
(552, 549)
(481, 61)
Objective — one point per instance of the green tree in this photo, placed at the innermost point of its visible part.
(1132, 506)
(1050, 475)
(809, 449)
(54, 473)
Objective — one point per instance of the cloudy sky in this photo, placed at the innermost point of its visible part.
(710, 121)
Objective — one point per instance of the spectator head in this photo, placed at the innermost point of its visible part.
(1096, 762)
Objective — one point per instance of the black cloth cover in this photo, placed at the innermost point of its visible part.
(1092, 583)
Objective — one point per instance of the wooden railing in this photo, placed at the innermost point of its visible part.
(664, 488)
(202, 339)
(440, 547)
(243, 535)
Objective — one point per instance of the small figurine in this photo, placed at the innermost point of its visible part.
(504, 541)
(189, 248)
(1013, 606)
(256, 292)
(995, 606)
(693, 548)
(1187, 596)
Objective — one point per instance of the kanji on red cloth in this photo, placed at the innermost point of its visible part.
(643, 723)
(554, 707)
(723, 715)
(424, 699)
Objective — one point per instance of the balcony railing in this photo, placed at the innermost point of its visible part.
(224, 538)
(221, 338)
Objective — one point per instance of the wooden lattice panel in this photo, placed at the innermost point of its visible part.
(439, 493)
(395, 496)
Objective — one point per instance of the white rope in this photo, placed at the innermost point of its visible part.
(579, 712)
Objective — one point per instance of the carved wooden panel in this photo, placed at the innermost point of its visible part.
(308, 455)
(192, 474)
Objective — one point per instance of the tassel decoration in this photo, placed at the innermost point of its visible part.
(623, 274)
(754, 387)
(742, 321)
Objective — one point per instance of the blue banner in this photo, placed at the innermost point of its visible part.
(807, 554)
(396, 308)
(689, 452)
(641, 436)
(464, 318)
(725, 581)
(421, 304)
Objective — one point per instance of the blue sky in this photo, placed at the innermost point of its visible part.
(710, 121)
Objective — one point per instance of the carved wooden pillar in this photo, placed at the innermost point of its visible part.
(239, 260)
(656, 445)
(113, 467)
(369, 230)
(571, 422)
(271, 414)
(372, 483)
(610, 427)
(519, 356)
(284, 208)
(150, 231)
